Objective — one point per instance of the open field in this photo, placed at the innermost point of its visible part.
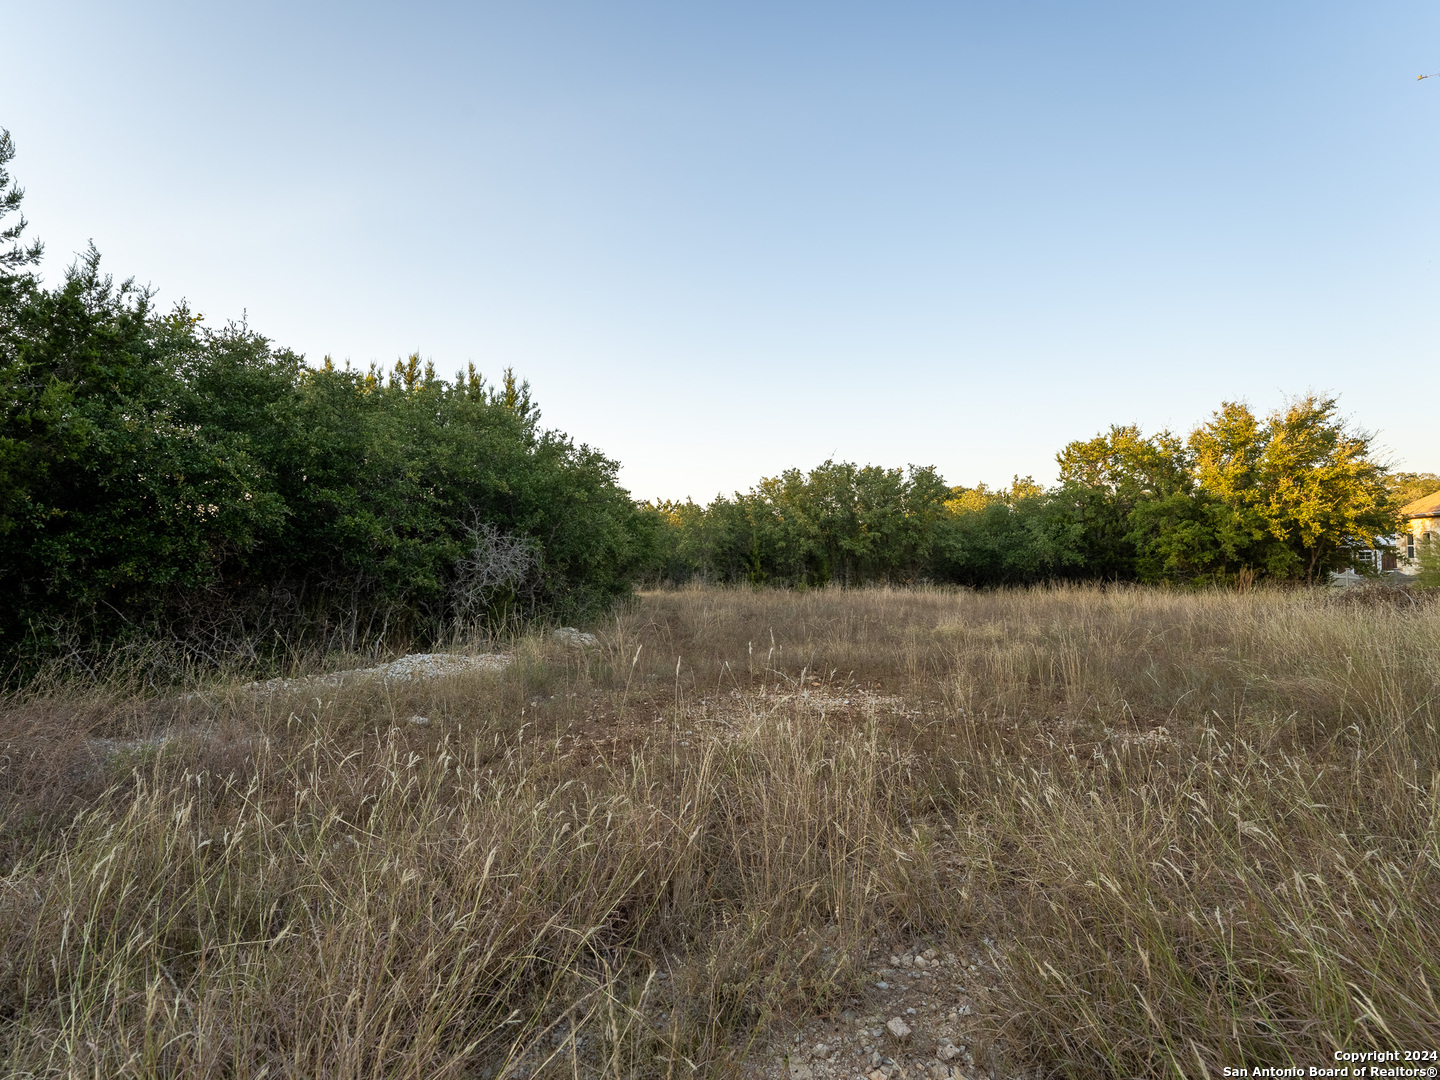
(1140, 833)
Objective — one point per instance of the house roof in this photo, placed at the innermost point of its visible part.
(1429, 506)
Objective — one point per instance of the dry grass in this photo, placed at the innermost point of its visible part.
(1202, 830)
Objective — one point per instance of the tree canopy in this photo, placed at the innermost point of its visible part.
(1290, 497)
(157, 475)
(160, 476)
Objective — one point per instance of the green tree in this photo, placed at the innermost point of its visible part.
(1406, 487)
(1429, 553)
(837, 523)
(160, 477)
(1014, 536)
(1296, 496)
(14, 254)
(1112, 486)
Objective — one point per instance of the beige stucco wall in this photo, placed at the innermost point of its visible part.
(1416, 527)
(1420, 526)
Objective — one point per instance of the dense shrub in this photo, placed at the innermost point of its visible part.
(160, 476)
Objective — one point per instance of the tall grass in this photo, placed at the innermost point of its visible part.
(1201, 830)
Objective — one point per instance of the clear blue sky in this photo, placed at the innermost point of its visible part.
(722, 239)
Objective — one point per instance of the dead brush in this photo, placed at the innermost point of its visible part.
(1200, 829)
(403, 902)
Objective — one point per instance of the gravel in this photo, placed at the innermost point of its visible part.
(914, 1018)
(414, 666)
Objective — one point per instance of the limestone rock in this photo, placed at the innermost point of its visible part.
(570, 636)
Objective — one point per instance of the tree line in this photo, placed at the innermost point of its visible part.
(159, 477)
(1291, 496)
(162, 479)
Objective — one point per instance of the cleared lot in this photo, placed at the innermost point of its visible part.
(1124, 832)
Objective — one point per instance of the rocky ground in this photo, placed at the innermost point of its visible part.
(918, 1019)
(413, 666)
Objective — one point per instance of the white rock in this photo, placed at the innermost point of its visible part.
(921, 962)
(907, 960)
(820, 1050)
(418, 721)
(113, 747)
(570, 636)
(898, 1028)
(947, 1051)
(931, 954)
(414, 666)
(801, 1072)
